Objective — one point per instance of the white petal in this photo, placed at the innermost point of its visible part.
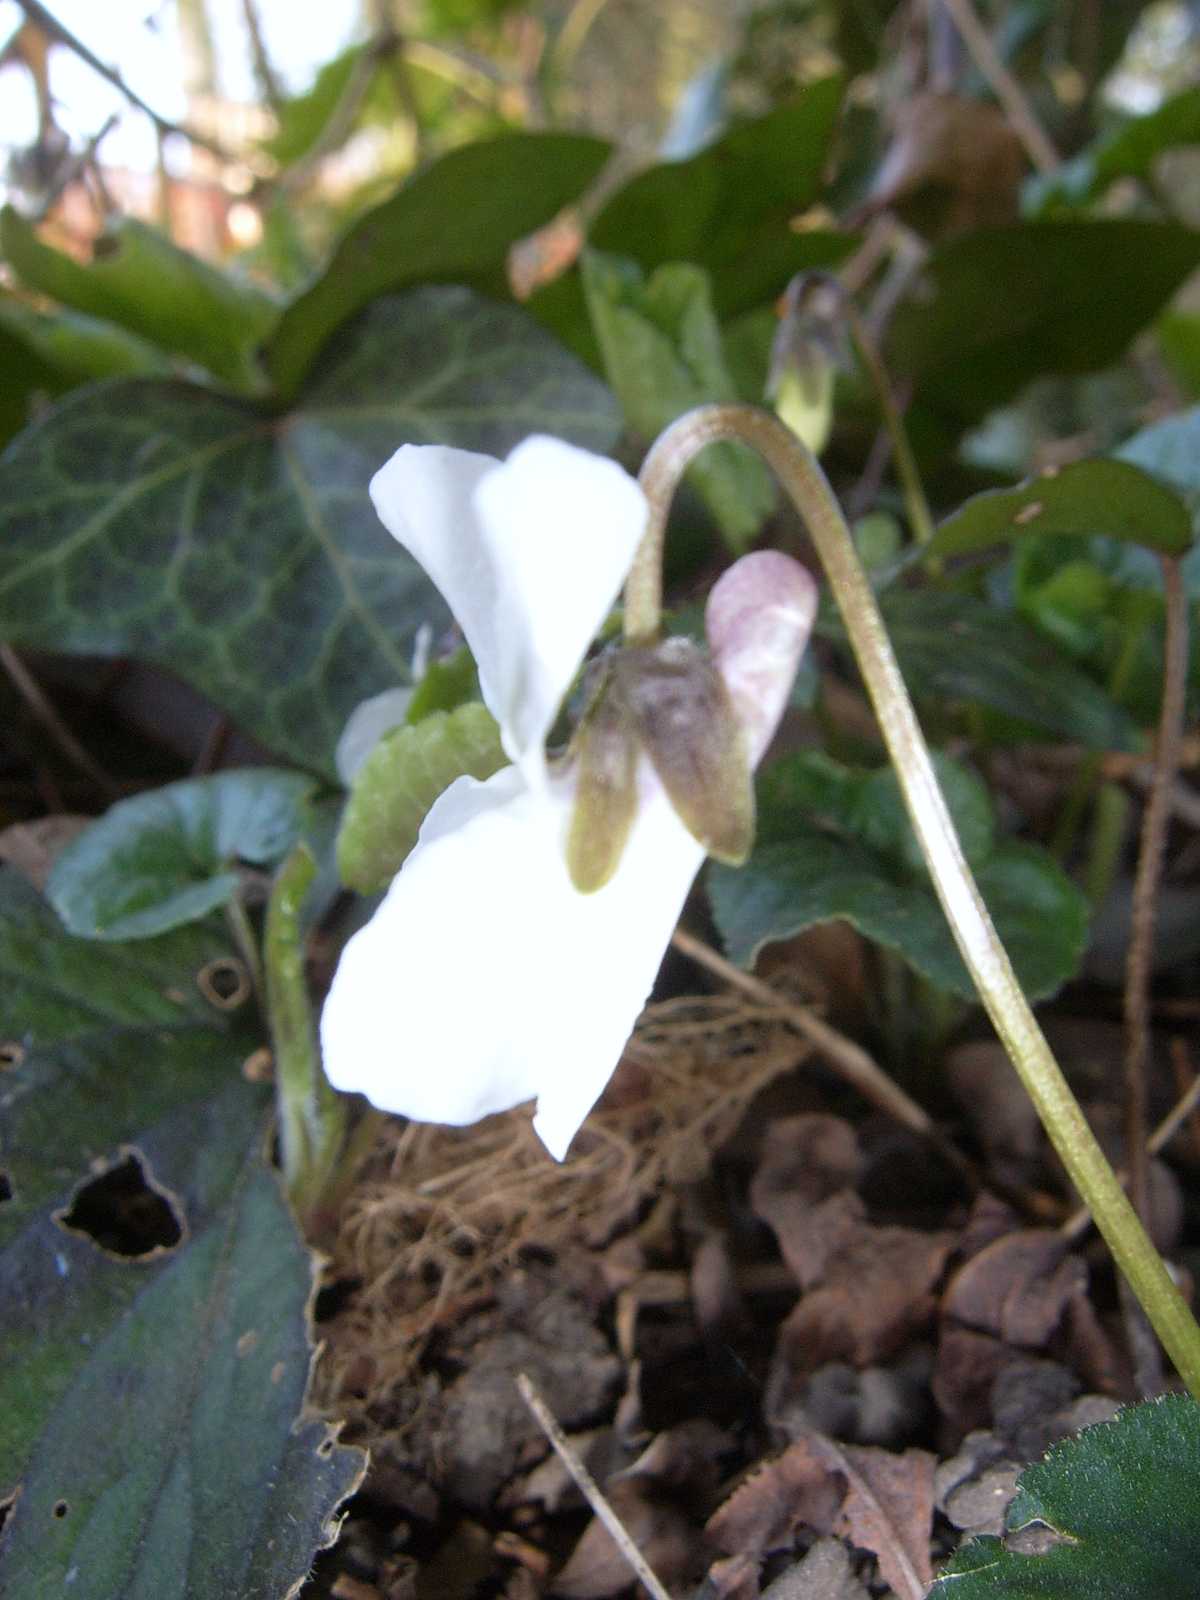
(365, 726)
(758, 620)
(529, 555)
(485, 978)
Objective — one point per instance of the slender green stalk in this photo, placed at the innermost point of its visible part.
(312, 1116)
(985, 956)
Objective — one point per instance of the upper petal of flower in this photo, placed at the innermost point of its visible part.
(529, 554)
(485, 978)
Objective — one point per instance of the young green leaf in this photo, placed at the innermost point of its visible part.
(401, 779)
(1122, 1498)
(151, 1391)
(170, 856)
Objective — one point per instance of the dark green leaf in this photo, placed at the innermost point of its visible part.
(147, 285)
(160, 520)
(848, 860)
(150, 1393)
(729, 209)
(170, 856)
(1130, 151)
(401, 779)
(445, 686)
(1111, 498)
(954, 647)
(1179, 338)
(1122, 1495)
(663, 355)
(454, 222)
(1005, 305)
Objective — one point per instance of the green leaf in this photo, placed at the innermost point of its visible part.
(151, 1439)
(444, 686)
(1004, 305)
(954, 647)
(454, 222)
(401, 778)
(242, 552)
(663, 355)
(1129, 151)
(78, 347)
(1111, 498)
(852, 857)
(1122, 1496)
(301, 119)
(147, 285)
(170, 856)
(729, 209)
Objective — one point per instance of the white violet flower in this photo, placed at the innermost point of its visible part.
(486, 978)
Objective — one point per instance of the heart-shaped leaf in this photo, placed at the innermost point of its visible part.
(454, 222)
(837, 845)
(242, 550)
(401, 779)
(153, 1291)
(1121, 1497)
(170, 856)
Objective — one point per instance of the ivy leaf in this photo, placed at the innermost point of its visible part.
(454, 222)
(836, 844)
(957, 648)
(242, 551)
(1122, 1497)
(662, 355)
(146, 284)
(1111, 498)
(1004, 305)
(152, 1388)
(170, 856)
(399, 781)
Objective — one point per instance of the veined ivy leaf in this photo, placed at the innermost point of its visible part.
(1112, 498)
(837, 845)
(1122, 1497)
(401, 778)
(151, 1392)
(242, 550)
(170, 856)
(1074, 295)
(662, 354)
(454, 222)
(957, 648)
(143, 282)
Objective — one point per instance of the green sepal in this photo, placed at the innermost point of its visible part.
(606, 753)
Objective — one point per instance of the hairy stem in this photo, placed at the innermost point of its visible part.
(984, 955)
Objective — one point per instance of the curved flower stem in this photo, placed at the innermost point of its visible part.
(984, 955)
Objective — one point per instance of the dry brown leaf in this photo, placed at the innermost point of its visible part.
(792, 1490)
(1017, 1288)
(33, 847)
(888, 1509)
(670, 1543)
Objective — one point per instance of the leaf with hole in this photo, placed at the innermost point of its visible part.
(171, 855)
(147, 285)
(151, 1391)
(401, 778)
(242, 551)
(1121, 1499)
(836, 844)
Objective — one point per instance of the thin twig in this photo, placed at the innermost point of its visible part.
(1004, 86)
(588, 1486)
(1149, 871)
(30, 691)
(37, 13)
(849, 1060)
(1079, 1221)
(264, 69)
